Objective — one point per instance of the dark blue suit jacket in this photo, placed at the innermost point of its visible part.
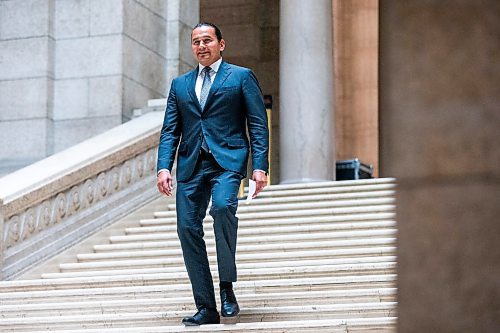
(234, 102)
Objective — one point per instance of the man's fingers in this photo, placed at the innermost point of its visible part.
(259, 186)
(165, 186)
(162, 189)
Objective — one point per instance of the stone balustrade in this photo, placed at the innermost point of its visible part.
(56, 202)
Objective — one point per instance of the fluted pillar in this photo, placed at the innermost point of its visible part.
(306, 84)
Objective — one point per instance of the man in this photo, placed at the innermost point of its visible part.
(209, 110)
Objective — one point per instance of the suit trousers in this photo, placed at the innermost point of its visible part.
(209, 180)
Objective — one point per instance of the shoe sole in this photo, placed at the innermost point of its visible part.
(190, 324)
(193, 324)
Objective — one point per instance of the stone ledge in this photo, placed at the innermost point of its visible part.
(89, 157)
(52, 204)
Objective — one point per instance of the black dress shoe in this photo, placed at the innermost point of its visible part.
(202, 317)
(229, 305)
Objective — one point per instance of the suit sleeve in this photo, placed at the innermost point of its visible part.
(170, 133)
(256, 122)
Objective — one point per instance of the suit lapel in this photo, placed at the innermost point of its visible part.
(220, 78)
(191, 82)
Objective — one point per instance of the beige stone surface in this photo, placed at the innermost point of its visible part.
(356, 80)
(229, 13)
(449, 257)
(439, 98)
(242, 41)
(446, 87)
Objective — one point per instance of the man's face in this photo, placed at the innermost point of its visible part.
(206, 48)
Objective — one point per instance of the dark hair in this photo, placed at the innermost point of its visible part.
(218, 33)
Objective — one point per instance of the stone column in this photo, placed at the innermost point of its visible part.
(439, 104)
(183, 15)
(306, 85)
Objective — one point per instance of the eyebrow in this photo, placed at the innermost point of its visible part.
(202, 37)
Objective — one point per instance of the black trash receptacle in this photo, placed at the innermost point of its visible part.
(352, 169)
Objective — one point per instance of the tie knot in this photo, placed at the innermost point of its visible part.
(206, 70)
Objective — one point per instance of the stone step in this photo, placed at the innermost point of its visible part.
(275, 200)
(54, 301)
(257, 314)
(290, 282)
(311, 212)
(327, 184)
(351, 325)
(300, 206)
(343, 248)
(242, 223)
(303, 236)
(157, 304)
(291, 192)
(342, 287)
(178, 276)
(251, 229)
(348, 287)
(164, 266)
(306, 252)
(305, 193)
(173, 247)
(269, 254)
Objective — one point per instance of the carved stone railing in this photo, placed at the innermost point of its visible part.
(57, 202)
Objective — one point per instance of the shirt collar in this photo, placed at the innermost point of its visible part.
(215, 66)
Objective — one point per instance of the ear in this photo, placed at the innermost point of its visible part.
(222, 44)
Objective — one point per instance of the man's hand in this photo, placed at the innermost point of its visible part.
(165, 183)
(260, 179)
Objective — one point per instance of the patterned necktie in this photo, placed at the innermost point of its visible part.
(205, 88)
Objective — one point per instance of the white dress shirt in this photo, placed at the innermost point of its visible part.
(199, 79)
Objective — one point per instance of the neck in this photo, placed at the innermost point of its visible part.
(210, 64)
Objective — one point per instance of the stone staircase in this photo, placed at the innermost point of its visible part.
(316, 257)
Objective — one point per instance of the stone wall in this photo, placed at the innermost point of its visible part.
(70, 69)
(440, 121)
(26, 78)
(356, 80)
